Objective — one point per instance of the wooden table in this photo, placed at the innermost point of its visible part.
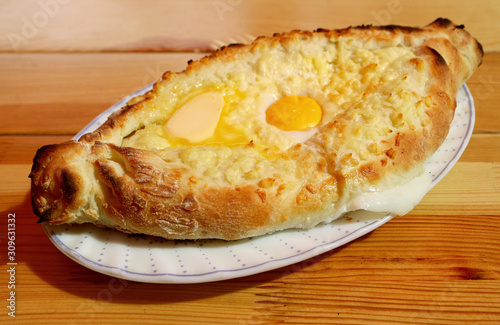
(64, 62)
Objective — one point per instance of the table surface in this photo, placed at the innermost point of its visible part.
(64, 62)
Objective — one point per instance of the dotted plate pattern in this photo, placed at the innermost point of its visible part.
(156, 260)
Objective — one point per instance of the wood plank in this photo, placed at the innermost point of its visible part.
(485, 89)
(458, 245)
(391, 302)
(433, 260)
(154, 25)
(452, 302)
(469, 188)
(439, 264)
(433, 265)
(63, 93)
(482, 148)
(415, 268)
(22, 149)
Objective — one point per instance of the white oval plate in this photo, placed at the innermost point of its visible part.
(156, 260)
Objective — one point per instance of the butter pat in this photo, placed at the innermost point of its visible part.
(197, 119)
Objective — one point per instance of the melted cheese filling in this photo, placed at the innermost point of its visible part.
(373, 91)
(313, 87)
(398, 200)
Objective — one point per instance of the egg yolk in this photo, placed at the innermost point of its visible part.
(294, 113)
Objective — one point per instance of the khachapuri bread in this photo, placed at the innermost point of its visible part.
(289, 131)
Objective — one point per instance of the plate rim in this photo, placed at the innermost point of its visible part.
(221, 274)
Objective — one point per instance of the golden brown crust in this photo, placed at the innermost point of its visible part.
(442, 31)
(58, 185)
(134, 190)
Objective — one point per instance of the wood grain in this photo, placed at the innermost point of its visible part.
(410, 267)
(63, 93)
(466, 237)
(22, 149)
(155, 25)
(484, 87)
(469, 188)
(440, 264)
(412, 302)
(50, 88)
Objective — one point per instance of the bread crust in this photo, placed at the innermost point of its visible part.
(94, 179)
